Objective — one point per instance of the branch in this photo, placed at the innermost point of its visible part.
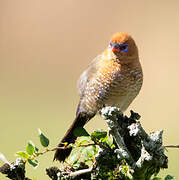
(15, 170)
(171, 146)
(80, 172)
(134, 154)
(144, 153)
(137, 155)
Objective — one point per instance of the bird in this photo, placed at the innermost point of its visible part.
(113, 78)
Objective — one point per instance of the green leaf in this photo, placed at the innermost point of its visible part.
(90, 152)
(72, 145)
(74, 157)
(82, 149)
(109, 141)
(65, 143)
(79, 143)
(22, 154)
(76, 165)
(98, 134)
(36, 149)
(43, 139)
(30, 148)
(80, 131)
(169, 177)
(83, 139)
(33, 162)
(157, 178)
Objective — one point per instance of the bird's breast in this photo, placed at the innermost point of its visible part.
(118, 84)
(113, 84)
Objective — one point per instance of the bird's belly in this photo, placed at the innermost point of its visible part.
(122, 95)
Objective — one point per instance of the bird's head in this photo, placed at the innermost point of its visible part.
(122, 45)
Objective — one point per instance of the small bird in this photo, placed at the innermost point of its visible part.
(113, 78)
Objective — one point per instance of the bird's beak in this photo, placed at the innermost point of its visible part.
(115, 50)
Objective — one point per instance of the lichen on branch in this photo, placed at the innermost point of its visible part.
(133, 154)
(125, 152)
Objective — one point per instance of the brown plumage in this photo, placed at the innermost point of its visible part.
(114, 78)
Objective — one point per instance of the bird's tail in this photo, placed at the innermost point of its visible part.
(80, 121)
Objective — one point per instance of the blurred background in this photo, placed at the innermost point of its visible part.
(45, 46)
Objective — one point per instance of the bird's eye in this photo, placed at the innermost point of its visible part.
(124, 47)
(116, 46)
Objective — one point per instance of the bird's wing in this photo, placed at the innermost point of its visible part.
(87, 74)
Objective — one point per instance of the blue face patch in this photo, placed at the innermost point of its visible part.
(124, 47)
(116, 45)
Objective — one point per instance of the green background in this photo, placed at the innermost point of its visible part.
(44, 47)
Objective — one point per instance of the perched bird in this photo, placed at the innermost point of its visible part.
(113, 78)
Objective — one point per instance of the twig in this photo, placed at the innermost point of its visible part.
(86, 145)
(171, 146)
(80, 172)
